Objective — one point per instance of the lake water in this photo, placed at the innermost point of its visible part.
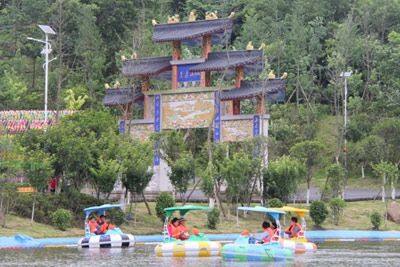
(328, 254)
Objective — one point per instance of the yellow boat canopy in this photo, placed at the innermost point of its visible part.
(299, 212)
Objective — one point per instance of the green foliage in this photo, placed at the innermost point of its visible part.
(164, 200)
(281, 178)
(388, 171)
(61, 219)
(137, 162)
(337, 206)
(104, 176)
(72, 102)
(47, 204)
(275, 203)
(13, 90)
(334, 180)
(38, 169)
(318, 212)
(376, 220)
(213, 218)
(310, 153)
(207, 185)
(182, 172)
(238, 172)
(117, 216)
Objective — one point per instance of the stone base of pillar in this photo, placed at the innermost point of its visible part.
(160, 181)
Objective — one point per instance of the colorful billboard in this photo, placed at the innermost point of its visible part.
(189, 110)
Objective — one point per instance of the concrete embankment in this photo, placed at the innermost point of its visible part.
(22, 241)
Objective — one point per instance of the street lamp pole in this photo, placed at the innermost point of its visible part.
(345, 75)
(46, 51)
(46, 81)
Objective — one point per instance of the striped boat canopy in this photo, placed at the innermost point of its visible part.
(101, 209)
(184, 209)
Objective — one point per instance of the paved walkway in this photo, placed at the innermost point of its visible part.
(351, 194)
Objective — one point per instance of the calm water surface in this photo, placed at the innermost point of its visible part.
(328, 254)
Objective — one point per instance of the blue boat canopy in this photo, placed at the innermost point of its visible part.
(183, 209)
(101, 209)
(272, 212)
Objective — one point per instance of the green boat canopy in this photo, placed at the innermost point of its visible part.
(183, 209)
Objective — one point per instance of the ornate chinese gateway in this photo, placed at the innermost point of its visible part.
(193, 100)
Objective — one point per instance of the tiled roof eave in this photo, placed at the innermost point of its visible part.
(148, 73)
(226, 66)
(190, 37)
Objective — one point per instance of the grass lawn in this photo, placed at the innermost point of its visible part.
(19, 225)
(355, 217)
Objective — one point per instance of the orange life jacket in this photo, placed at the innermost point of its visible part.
(294, 229)
(104, 227)
(93, 226)
(175, 233)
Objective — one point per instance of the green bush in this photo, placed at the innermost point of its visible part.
(47, 204)
(275, 203)
(318, 212)
(164, 200)
(336, 205)
(213, 218)
(117, 216)
(376, 220)
(61, 219)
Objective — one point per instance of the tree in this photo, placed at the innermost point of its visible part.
(389, 173)
(308, 152)
(334, 181)
(104, 176)
(389, 131)
(239, 172)
(282, 177)
(38, 169)
(182, 171)
(137, 159)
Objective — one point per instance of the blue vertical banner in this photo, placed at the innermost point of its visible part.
(157, 127)
(217, 119)
(121, 126)
(256, 125)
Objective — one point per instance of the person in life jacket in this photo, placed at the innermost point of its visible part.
(268, 233)
(294, 228)
(106, 226)
(275, 231)
(182, 229)
(92, 224)
(179, 230)
(171, 226)
(100, 221)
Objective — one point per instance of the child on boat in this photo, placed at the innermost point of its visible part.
(267, 234)
(294, 229)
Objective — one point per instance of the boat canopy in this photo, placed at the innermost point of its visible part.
(299, 212)
(101, 209)
(274, 213)
(183, 209)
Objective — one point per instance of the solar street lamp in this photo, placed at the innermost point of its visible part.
(46, 51)
(345, 75)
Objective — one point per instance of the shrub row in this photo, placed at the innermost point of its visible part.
(46, 205)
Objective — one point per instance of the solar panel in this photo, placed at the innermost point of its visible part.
(47, 29)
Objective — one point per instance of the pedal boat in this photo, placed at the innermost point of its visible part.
(113, 238)
(299, 244)
(195, 246)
